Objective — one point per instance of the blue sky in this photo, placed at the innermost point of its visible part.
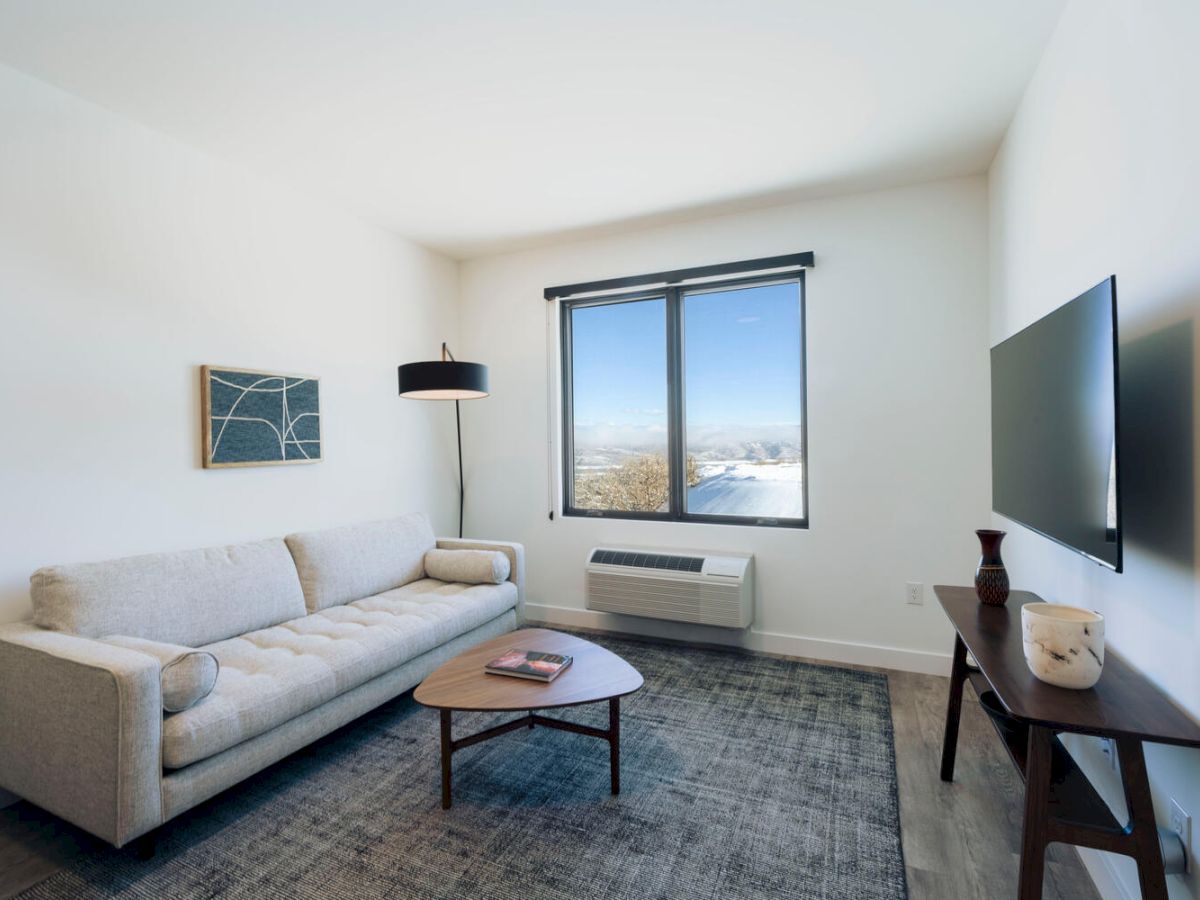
(742, 364)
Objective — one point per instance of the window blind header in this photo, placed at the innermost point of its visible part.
(792, 262)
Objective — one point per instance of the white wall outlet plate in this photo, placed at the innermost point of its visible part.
(1108, 747)
(1181, 824)
(914, 593)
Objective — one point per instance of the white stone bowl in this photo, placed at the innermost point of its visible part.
(1064, 645)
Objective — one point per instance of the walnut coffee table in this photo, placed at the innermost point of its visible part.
(596, 674)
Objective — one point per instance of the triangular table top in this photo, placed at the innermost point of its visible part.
(596, 674)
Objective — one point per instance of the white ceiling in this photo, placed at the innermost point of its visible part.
(478, 126)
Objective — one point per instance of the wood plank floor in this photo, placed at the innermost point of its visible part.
(961, 840)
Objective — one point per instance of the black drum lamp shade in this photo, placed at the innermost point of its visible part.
(443, 380)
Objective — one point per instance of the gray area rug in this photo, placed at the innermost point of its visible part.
(742, 777)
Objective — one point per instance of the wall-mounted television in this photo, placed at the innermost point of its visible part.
(1056, 446)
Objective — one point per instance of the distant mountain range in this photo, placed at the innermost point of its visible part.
(766, 450)
(756, 450)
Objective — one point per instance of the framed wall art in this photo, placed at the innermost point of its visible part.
(256, 418)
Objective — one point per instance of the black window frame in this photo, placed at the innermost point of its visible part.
(674, 295)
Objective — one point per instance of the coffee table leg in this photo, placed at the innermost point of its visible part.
(446, 751)
(614, 743)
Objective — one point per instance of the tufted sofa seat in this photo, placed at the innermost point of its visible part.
(272, 675)
(309, 631)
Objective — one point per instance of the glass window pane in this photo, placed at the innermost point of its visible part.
(619, 377)
(743, 386)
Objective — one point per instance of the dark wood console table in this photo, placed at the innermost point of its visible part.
(1060, 803)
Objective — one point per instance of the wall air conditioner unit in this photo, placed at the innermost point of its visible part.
(709, 589)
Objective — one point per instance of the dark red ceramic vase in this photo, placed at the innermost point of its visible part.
(991, 578)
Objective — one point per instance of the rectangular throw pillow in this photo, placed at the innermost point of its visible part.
(188, 676)
(467, 566)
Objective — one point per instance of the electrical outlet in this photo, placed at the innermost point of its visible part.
(914, 593)
(1181, 824)
(1108, 747)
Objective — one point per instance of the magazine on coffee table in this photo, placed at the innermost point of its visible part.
(529, 664)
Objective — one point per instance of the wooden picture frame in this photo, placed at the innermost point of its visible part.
(250, 443)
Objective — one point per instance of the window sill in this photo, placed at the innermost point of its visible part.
(738, 521)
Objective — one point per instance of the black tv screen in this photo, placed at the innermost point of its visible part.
(1055, 443)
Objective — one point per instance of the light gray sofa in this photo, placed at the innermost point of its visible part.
(311, 631)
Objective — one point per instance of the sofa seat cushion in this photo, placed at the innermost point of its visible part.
(270, 676)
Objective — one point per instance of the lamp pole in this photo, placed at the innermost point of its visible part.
(462, 484)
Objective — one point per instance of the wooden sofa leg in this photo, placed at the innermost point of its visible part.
(144, 847)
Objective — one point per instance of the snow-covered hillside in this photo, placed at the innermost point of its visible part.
(740, 488)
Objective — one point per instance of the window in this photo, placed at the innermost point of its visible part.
(686, 402)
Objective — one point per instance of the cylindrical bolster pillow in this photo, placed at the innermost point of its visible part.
(467, 566)
(188, 676)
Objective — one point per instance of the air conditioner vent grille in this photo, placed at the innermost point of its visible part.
(633, 559)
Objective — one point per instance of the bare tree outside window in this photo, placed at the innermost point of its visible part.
(640, 484)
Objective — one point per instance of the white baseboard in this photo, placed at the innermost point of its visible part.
(920, 661)
(1099, 865)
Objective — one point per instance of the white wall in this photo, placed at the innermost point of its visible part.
(1099, 175)
(897, 412)
(126, 261)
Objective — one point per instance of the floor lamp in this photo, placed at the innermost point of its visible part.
(446, 379)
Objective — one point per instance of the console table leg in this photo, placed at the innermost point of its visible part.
(1037, 812)
(958, 674)
(1142, 827)
(614, 743)
(447, 750)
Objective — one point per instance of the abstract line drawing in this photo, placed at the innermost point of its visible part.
(256, 418)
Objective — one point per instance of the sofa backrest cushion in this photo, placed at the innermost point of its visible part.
(192, 598)
(341, 565)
